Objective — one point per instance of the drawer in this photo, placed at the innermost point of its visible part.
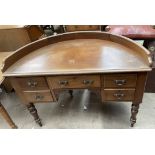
(32, 83)
(83, 81)
(119, 80)
(118, 94)
(38, 96)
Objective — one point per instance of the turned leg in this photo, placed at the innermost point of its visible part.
(134, 111)
(7, 117)
(34, 113)
(71, 93)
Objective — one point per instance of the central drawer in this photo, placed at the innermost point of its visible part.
(38, 96)
(82, 81)
(119, 81)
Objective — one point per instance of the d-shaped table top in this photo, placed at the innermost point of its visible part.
(79, 56)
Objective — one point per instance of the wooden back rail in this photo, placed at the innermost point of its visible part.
(145, 54)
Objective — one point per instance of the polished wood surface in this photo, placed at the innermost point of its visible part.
(79, 56)
(38, 96)
(119, 80)
(82, 81)
(32, 83)
(140, 85)
(118, 94)
(115, 66)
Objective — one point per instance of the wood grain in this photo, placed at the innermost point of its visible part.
(119, 80)
(13, 38)
(32, 83)
(38, 96)
(140, 86)
(117, 94)
(80, 52)
(81, 60)
(83, 81)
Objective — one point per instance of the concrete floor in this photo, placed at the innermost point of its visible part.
(69, 113)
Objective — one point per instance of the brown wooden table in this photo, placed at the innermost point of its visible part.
(114, 65)
(3, 111)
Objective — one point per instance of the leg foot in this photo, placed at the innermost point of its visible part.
(7, 117)
(34, 113)
(134, 111)
(15, 127)
(71, 93)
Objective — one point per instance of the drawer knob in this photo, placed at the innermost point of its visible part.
(120, 82)
(119, 95)
(39, 97)
(88, 82)
(32, 83)
(63, 82)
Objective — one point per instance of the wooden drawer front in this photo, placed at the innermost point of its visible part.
(32, 83)
(119, 81)
(74, 81)
(118, 94)
(38, 96)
